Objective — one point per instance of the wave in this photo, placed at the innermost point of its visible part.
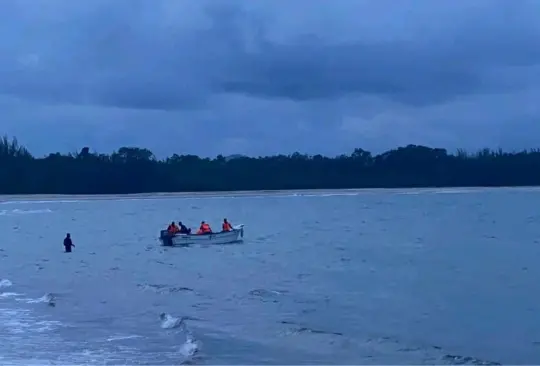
(413, 193)
(253, 195)
(439, 191)
(31, 339)
(164, 289)
(4, 295)
(187, 349)
(298, 329)
(22, 321)
(191, 345)
(23, 212)
(48, 299)
(266, 295)
(5, 283)
(122, 337)
(194, 196)
(24, 332)
(36, 202)
(170, 322)
(455, 191)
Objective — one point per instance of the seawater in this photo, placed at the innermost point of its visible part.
(324, 277)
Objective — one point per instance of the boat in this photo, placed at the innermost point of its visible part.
(223, 237)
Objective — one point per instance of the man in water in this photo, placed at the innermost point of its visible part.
(68, 243)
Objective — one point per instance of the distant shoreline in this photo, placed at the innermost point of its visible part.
(136, 172)
(37, 197)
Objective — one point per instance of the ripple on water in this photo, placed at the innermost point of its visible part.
(165, 289)
(316, 295)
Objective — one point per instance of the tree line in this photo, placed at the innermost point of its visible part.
(137, 170)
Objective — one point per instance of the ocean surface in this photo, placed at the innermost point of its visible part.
(446, 276)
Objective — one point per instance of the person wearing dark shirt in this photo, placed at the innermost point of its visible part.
(68, 243)
(183, 228)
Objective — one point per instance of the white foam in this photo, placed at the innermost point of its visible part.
(412, 193)
(28, 362)
(38, 202)
(122, 337)
(5, 295)
(186, 196)
(455, 191)
(20, 321)
(169, 322)
(5, 283)
(25, 331)
(29, 212)
(48, 298)
(190, 347)
(23, 212)
(439, 191)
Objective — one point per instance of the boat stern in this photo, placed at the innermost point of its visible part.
(165, 238)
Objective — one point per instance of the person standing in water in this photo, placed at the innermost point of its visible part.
(68, 243)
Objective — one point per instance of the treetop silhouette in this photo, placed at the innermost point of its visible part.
(137, 170)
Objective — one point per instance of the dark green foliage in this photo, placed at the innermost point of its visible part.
(136, 170)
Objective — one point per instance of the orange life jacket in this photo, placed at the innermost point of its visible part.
(205, 228)
(226, 226)
(173, 229)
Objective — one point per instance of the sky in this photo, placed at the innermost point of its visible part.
(269, 76)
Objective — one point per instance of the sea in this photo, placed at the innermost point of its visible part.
(423, 276)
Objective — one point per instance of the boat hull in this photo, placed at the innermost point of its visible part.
(224, 237)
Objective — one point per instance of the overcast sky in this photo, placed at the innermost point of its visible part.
(270, 76)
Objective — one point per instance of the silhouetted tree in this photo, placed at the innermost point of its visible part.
(137, 170)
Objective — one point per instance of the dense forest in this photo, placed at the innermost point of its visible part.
(136, 170)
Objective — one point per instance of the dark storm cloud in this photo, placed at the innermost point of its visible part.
(419, 71)
(303, 72)
(111, 54)
(344, 72)
(121, 53)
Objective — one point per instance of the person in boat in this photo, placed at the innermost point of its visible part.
(68, 243)
(173, 229)
(183, 229)
(226, 226)
(204, 228)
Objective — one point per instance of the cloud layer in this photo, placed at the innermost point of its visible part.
(270, 76)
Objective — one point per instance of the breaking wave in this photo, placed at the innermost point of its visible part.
(5, 283)
(191, 345)
(17, 321)
(122, 338)
(23, 212)
(48, 299)
(31, 339)
(36, 202)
